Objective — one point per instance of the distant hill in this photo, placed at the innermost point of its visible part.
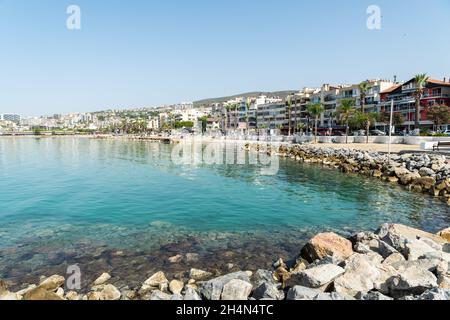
(281, 94)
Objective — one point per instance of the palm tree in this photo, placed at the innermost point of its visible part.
(247, 104)
(300, 127)
(236, 116)
(421, 81)
(345, 112)
(289, 102)
(365, 121)
(227, 117)
(364, 88)
(315, 109)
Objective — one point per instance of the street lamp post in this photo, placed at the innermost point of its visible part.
(390, 130)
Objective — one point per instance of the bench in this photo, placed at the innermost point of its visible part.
(441, 144)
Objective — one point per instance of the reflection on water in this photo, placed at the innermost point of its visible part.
(78, 200)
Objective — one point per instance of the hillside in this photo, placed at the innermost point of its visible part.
(281, 94)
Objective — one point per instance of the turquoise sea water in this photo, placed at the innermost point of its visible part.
(63, 193)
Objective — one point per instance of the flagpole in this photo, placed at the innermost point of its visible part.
(390, 130)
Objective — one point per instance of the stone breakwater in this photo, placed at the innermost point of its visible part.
(394, 263)
(424, 173)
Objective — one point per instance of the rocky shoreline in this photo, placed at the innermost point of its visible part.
(394, 263)
(423, 173)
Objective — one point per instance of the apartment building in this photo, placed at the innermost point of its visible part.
(271, 115)
(298, 113)
(153, 123)
(403, 95)
(10, 117)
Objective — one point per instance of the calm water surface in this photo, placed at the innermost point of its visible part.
(124, 206)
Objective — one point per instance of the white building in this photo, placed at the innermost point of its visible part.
(153, 124)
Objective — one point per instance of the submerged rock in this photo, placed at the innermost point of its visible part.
(199, 275)
(102, 279)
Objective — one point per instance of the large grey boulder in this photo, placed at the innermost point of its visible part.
(332, 296)
(369, 241)
(435, 294)
(397, 235)
(262, 276)
(412, 281)
(360, 274)
(373, 295)
(159, 295)
(212, 289)
(302, 293)
(191, 295)
(394, 258)
(417, 248)
(236, 289)
(268, 290)
(317, 277)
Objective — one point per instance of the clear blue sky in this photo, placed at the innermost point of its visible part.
(146, 53)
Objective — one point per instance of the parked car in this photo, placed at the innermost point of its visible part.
(377, 133)
(359, 133)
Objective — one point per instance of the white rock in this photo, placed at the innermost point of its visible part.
(360, 275)
(110, 292)
(199, 275)
(176, 286)
(319, 276)
(156, 279)
(102, 279)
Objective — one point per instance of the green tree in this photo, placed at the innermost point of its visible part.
(247, 120)
(420, 80)
(37, 131)
(184, 124)
(364, 88)
(289, 103)
(204, 122)
(365, 121)
(345, 112)
(315, 110)
(439, 114)
(397, 118)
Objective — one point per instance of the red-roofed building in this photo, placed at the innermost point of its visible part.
(435, 92)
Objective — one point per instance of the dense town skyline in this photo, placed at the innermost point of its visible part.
(135, 55)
